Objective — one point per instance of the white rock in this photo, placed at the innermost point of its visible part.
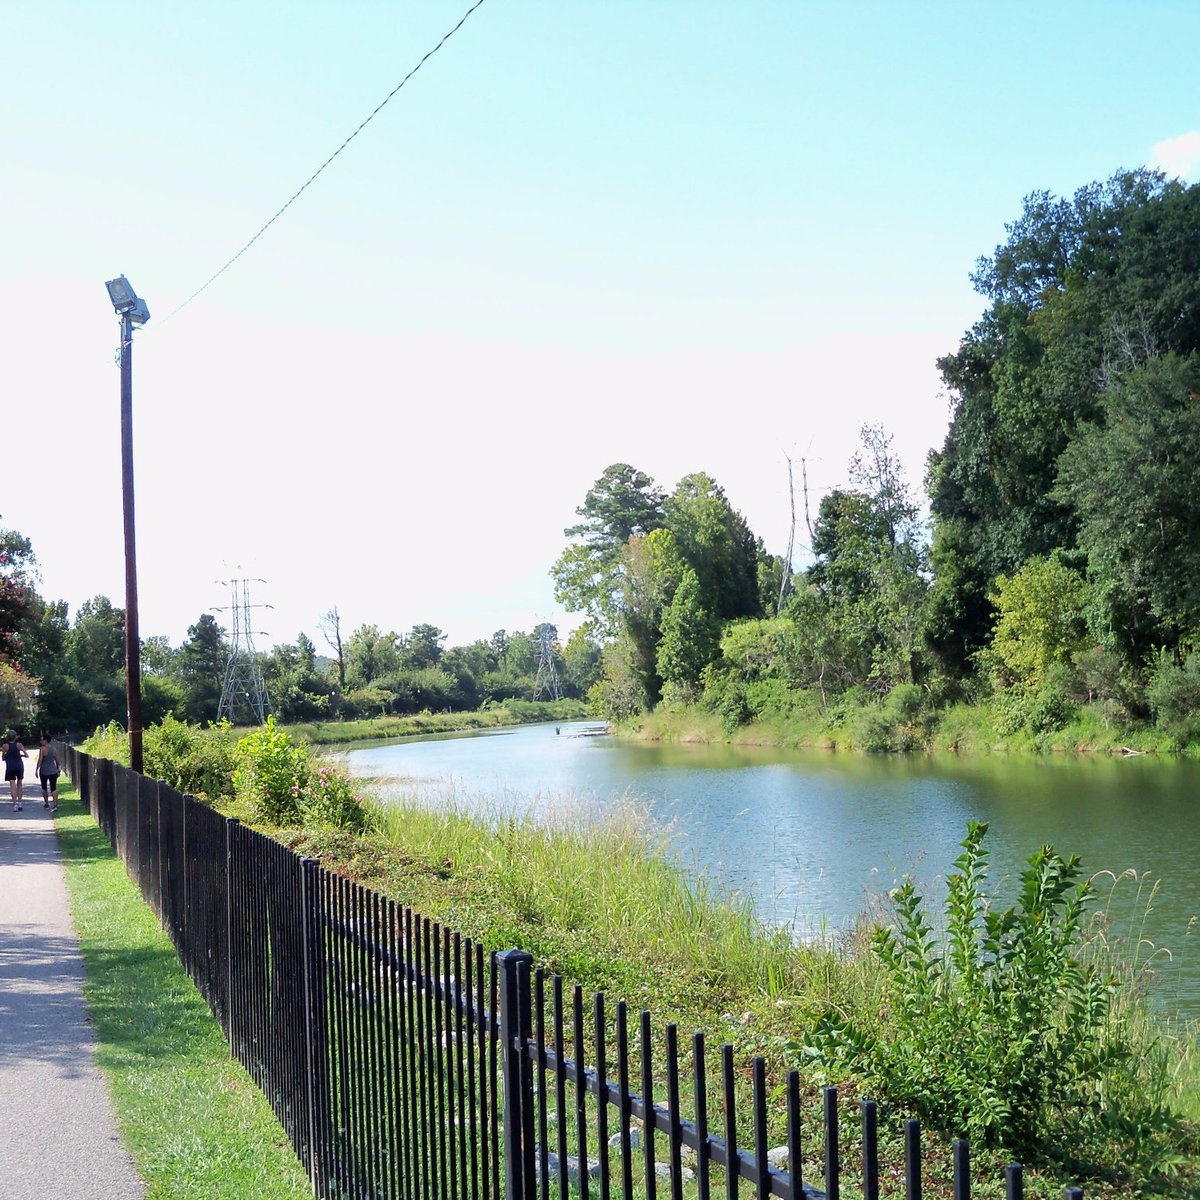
(593, 1167)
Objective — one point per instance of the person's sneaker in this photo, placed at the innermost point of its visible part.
(45, 803)
(16, 808)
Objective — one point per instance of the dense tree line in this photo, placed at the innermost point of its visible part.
(1059, 568)
(1057, 571)
(69, 675)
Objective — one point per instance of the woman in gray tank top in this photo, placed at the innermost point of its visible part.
(47, 767)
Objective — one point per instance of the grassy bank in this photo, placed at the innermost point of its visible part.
(602, 905)
(195, 1123)
(513, 712)
(599, 901)
(856, 727)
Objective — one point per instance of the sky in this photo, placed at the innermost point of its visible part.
(711, 236)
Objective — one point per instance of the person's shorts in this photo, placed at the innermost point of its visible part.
(10, 773)
(49, 783)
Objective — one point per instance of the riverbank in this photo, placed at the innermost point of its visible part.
(427, 724)
(871, 728)
(600, 901)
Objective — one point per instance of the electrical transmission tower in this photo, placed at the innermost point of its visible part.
(547, 673)
(243, 691)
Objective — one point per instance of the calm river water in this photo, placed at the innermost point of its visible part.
(812, 837)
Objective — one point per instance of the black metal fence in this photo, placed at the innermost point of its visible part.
(403, 1060)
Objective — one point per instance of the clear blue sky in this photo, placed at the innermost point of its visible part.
(699, 236)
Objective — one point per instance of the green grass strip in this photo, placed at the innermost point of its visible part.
(192, 1118)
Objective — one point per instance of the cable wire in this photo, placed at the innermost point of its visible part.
(303, 187)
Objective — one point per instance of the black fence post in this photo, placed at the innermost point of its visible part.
(516, 1021)
(315, 1031)
(234, 1034)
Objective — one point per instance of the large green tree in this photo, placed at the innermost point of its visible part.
(423, 647)
(95, 658)
(1081, 292)
(1133, 479)
(690, 638)
(19, 601)
(717, 543)
(298, 687)
(371, 654)
(866, 587)
(587, 575)
(200, 665)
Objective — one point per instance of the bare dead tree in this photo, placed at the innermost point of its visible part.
(1131, 342)
(330, 625)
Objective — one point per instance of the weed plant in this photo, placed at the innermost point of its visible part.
(1010, 1027)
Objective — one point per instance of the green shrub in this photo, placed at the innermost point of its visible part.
(271, 774)
(1002, 1030)
(725, 695)
(1038, 713)
(108, 741)
(196, 760)
(1174, 697)
(328, 799)
(898, 724)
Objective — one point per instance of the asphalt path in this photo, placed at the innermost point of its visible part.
(58, 1134)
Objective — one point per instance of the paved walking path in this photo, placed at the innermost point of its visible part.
(58, 1137)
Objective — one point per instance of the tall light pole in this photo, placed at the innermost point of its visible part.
(133, 313)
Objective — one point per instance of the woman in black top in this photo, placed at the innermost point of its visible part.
(14, 768)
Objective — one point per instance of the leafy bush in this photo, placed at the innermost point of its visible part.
(108, 741)
(1039, 622)
(272, 773)
(365, 702)
(1174, 697)
(1000, 1031)
(199, 761)
(895, 725)
(328, 799)
(1041, 712)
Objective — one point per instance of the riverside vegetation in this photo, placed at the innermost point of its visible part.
(1050, 599)
(1024, 1028)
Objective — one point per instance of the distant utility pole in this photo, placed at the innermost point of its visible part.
(787, 564)
(547, 673)
(243, 691)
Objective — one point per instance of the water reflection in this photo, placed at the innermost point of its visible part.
(811, 837)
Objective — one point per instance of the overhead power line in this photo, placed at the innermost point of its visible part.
(308, 182)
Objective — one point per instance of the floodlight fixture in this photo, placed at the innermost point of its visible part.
(126, 301)
(133, 311)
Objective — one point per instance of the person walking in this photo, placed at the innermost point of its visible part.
(14, 768)
(48, 769)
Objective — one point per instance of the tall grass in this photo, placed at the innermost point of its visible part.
(597, 895)
(594, 896)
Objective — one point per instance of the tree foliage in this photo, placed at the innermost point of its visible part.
(1133, 479)
(1039, 622)
(621, 503)
(1083, 292)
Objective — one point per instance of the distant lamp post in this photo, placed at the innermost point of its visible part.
(133, 313)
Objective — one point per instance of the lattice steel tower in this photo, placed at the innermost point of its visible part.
(547, 672)
(243, 691)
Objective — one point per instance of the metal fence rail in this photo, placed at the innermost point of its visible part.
(403, 1060)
